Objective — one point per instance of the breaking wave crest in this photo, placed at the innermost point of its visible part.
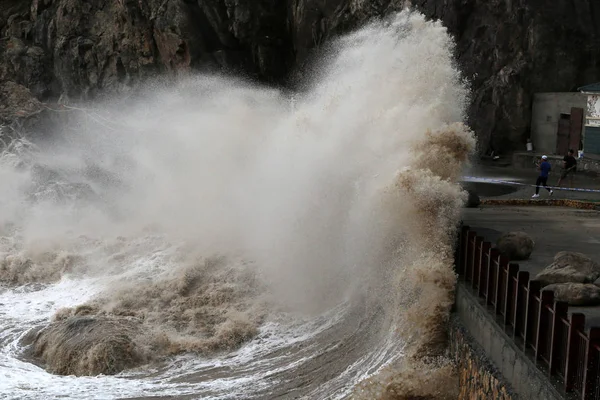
(216, 238)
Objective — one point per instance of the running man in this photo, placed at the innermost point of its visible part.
(542, 179)
(569, 168)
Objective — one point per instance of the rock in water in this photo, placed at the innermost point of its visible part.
(570, 267)
(576, 294)
(84, 345)
(515, 245)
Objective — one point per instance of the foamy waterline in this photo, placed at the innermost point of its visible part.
(254, 364)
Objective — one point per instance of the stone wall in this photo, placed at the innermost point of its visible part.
(479, 379)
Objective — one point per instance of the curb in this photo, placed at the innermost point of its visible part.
(582, 205)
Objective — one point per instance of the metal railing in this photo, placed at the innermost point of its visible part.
(559, 343)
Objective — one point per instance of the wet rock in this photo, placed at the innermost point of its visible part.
(570, 267)
(83, 345)
(515, 245)
(16, 101)
(81, 50)
(576, 294)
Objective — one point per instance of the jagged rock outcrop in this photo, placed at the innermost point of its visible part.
(508, 49)
(16, 101)
(81, 49)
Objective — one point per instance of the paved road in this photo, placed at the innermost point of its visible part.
(553, 229)
(529, 177)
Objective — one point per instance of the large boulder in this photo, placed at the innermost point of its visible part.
(515, 245)
(576, 294)
(86, 345)
(570, 267)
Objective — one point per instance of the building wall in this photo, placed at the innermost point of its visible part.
(593, 108)
(591, 140)
(547, 108)
(591, 134)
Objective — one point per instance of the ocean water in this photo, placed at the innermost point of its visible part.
(211, 238)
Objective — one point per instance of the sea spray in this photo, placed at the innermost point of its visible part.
(426, 202)
(348, 195)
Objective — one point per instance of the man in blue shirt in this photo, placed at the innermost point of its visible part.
(544, 168)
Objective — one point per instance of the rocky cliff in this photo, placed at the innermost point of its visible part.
(72, 49)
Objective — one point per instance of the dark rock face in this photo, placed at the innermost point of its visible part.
(511, 49)
(80, 49)
(508, 49)
(16, 101)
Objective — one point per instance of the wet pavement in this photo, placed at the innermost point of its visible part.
(553, 229)
(526, 179)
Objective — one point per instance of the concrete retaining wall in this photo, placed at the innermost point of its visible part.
(479, 378)
(499, 360)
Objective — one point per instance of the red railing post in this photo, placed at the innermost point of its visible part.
(470, 258)
(533, 291)
(591, 363)
(520, 302)
(541, 339)
(476, 262)
(498, 292)
(462, 262)
(561, 310)
(501, 284)
(513, 270)
(492, 276)
(577, 324)
(541, 322)
(483, 271)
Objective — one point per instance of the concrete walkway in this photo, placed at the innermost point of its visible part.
(553, 229)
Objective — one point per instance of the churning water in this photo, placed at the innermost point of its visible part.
(214, 239)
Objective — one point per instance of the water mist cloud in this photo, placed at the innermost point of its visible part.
(342, 188)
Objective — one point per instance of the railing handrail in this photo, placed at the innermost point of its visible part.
(571, 354)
